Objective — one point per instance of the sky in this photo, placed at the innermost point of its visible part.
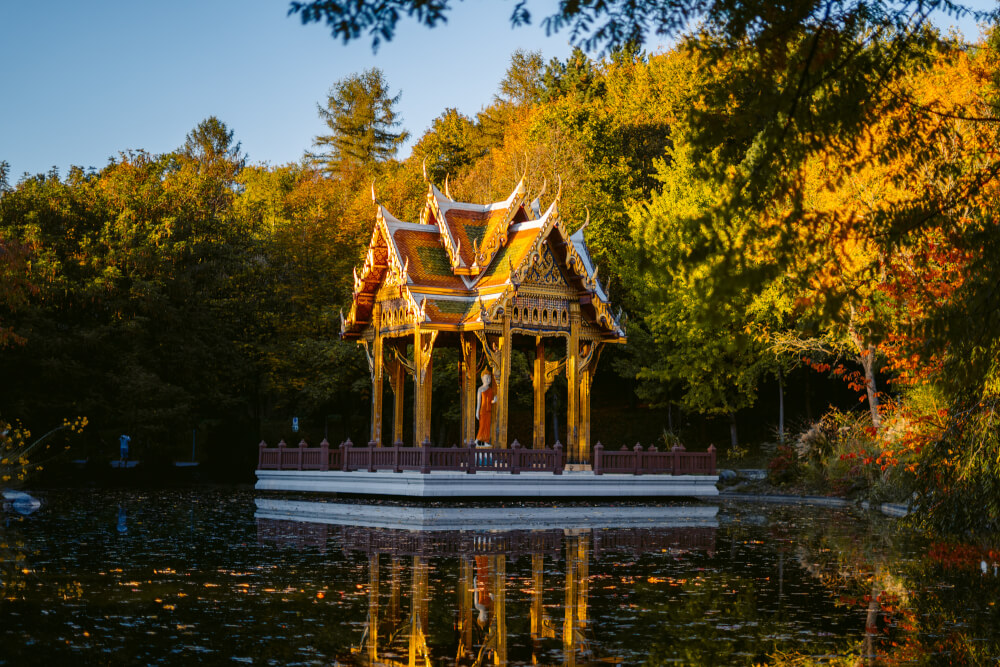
(84, 80)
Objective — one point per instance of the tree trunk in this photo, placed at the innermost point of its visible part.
(670, 417)
(781, 408)
(867, 359)
(866, 356)
(733, 441)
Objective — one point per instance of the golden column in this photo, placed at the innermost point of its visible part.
(538, 384)
(584, 433)
(396, 572)
(419, 651)
(373, 609)
(500, 609)
(569, 617)
(397, 380)
(423, 348)
(465, 606)
(577, 594)
(468, 379)
(573, 384)
(503, 384)
(428, 385)
(376, 435)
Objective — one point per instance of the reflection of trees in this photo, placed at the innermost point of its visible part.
(916, 605)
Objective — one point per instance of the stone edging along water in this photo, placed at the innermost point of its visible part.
(889, 509)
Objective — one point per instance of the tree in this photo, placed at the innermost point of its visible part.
(453, 142)
(611, 24)
(211, 141)
(362, 117)
(522, 85)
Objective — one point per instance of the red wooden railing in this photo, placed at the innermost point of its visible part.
(636, 461)
(471, 459)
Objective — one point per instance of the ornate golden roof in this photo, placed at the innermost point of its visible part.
(463, 264)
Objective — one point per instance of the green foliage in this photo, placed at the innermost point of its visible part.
(959, 479)
(362, 118)
(452, 144)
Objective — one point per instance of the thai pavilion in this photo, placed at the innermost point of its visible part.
(482, 278)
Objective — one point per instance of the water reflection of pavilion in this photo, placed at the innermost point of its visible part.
(399, 634)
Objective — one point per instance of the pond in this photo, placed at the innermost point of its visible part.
(227, 576)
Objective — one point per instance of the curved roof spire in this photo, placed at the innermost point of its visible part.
(536, 205)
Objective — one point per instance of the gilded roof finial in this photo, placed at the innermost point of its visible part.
(536, 205)
(585, 222)
(374, 198)
(425, 171)
(447, 192)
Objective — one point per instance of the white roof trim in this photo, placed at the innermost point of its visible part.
(581, 248)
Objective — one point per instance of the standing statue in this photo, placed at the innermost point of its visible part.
(485, 398)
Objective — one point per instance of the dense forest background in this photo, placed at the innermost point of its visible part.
(809, 276)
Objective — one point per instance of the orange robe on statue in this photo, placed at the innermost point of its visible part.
(486, 414)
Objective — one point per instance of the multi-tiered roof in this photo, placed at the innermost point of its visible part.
(463, 264)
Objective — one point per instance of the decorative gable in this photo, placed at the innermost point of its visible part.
(468, 266)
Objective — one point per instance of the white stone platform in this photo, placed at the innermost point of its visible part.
(440, 484)
(410, 517)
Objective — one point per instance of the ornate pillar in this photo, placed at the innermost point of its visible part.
(588, 366)
(419, 653)
(573, 385)
(569, 608)
(468, 380)
(397, 380)
(503, 384)
(500, 609)
(423, 348)
(376, 369)
(373, 609)
(584, 408)
(538, 385)
(537, 608)
(428, 386)
(466, 588)
(396, 572)
(577, 594)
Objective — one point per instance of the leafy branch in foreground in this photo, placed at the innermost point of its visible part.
(17, 450)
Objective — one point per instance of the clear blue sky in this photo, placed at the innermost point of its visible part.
(83, 80)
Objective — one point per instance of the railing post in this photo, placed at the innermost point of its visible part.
(324, 454)
(260, 454)
(638, 458)
(302, 445)
(425, 456)
(470, 465)
(675, 460)
(558, 469)
(371, 456)
(345, 448)
(711, 451)
(653, 460)
(515, 458)
(598, 450)
(281, 454)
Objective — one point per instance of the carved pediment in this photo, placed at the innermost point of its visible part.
(544, 272)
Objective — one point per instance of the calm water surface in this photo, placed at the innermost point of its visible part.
(203, 577)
